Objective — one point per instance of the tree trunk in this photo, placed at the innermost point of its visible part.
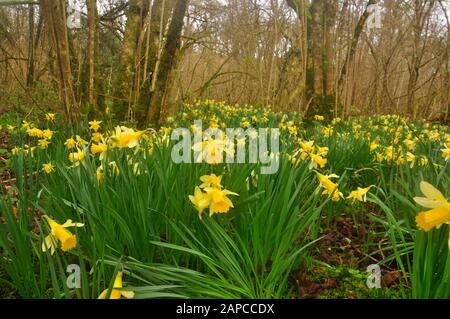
(92, 25)
(31, 51)
(301, 10)
(125, 74)
(315, 40)
(158, 20)
(421, 13)
(158, 105)
(447, 67)
(54, 13)
(328, 71)
(354, 43)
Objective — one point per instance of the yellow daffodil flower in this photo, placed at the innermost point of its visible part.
(117, 292)
(26, 125)
(307, 146)
(200, 200)
(360, 194)
(336, 120)
(423, 161)
(246, 124)
(126, 138)
(293, 130)
(97, 137)
(95, 125)
(411, 158)
(379, 157)
(322, 151)
(319, 118)
(390, 153)
(411, 145)
(317, 160)
(294, 161)
(211, 150)
(446, 153)
(101, 149)
(80, 141)
(337, 196)
(326, 183)
(43, 144)
(373, 146)
(330, 188)
(327, 131)
(220, 203)
(50, 117)
(60, 233)
(400, 160)
(99, 174)
(47, 134)
(70, 143)
(34, 132)
(48, 168)
(434, 135)
(77, 157)
(211, 181)
(440, 209)
(114, 168)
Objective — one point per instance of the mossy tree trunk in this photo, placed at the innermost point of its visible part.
(124, 77)
(54, 14)
(159, 14)
(317, 21)
(158, 107)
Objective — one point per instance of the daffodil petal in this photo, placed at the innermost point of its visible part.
(103, 294)
(426, 202)
(49, 243)
(127, 294)
(69, 223)
(431, 192)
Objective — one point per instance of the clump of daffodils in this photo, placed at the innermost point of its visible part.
(44, 136)
(308, 151)
(211, 194)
